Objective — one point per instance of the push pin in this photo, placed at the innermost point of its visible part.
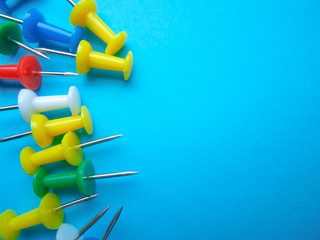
(83, 179)
(70, 150)
(29, 103)
(28, 71)
(69, 232)
(86, 59)
(11, 38)
(4, 6)
(44, 130)
(35, 29)
(84, 15)
(49, 214)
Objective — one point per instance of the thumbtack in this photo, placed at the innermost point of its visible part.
(11, 38)
(4, 6)
(29, 103)
(83, 179)
(70, 150)
(35, 29)
(86, 59)
(84, 14)
(28, 71)
(49, 214)
(44, 130)
(67, 231)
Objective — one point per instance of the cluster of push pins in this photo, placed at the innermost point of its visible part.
(29, 72)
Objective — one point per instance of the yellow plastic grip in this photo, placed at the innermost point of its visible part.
(84, 15)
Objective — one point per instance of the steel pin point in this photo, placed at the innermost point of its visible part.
(11, 39)
(49, 214)
(82, 178)
(44, 130)
(84, 14)
(35, 29)
(70, 150)
(86, 59)
(112, 223)
(29, 103)
(29, 72)
(90, 224)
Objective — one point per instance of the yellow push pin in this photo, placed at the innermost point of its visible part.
(49, 214)
(44, 130)
(86, 59)
(84, 15)
(70, 150)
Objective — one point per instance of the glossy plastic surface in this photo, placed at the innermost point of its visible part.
(36, 29)
(68, 150)
(44, 130)
(28, 71)
(66, 232)
(43, 182)
(86, 59)
(11, 223)
(84, 14)
(29, 103)
(9, 30)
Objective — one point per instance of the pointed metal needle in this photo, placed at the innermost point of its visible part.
(47, 50)
(90, 224)
(9, 107)
(71, 2)
(112, 223)
(111, 175)
(69, 204)
(11, 18)
(15, 136)
(35, 52)
(87, 144)
(64, 74)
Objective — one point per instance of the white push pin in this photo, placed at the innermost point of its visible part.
(29, 103)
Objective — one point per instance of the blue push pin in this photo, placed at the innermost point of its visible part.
(36, 29)
(4, 6)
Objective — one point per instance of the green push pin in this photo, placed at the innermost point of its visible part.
(83, 178)
(11, 38)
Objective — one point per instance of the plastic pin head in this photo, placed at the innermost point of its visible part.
(84, 14)
(49, 214)
(9, 30)
(44, 130)
(70, 150)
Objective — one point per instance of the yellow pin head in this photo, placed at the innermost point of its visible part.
(116, 43)
(26, 162)
(80, 12)
(39, 131)
(72, 153)
(83, 59)
(49, 217)
(128, 63)
(6, 232)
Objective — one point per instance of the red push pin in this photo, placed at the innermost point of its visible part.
(28, 71)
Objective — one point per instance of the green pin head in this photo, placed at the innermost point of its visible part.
(85, 185)
(39, 186)
(9, 30)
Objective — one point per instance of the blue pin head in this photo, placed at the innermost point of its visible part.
(77, 36)
(29, 26)
(4, 6)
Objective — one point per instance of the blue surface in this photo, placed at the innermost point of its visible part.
(220, 117)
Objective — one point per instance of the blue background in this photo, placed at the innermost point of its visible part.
(220, 117)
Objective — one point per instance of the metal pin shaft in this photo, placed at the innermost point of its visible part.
(47, 50)
(112, 223)
(90, 224)
(35, 52)
(11, 18)
(87, 144)
(64, 74)
(71, 2)
(69, 204)
(111, 175)
(9, 107)
(15, 136)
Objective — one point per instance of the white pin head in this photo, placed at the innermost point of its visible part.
(25, 99)
(74, 100)
(67, 232)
